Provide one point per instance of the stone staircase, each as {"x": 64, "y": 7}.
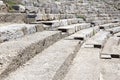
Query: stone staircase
{"x": 63, "y": 40}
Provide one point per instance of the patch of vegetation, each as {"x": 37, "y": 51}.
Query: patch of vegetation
{"x": 94, "y": 32}
{"x": 10, "y": 3}
{"x": 81, "y": 16}
{"x": 80, "y": 1}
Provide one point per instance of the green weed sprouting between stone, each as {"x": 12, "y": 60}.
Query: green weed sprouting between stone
{"x": 94, "y": 32}
{"x": 10, "y": 3}
{"x": 81, "y": 16}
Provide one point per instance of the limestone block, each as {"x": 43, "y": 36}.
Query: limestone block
{"x": 31, "y": 17}
{"x": 117, "y": 34}
{"x": 15, "y": 31}
{"x": 58, "y": 63}
{"x": 69, "y": 21}
{"x": 83, "y": 26}
{"x": 54, "y": 23}
{"x": 21, "y": 8}
{"x": 114, "y": 30}
{"x": 30, "y": 29}
{"x": 74, "y": 21}
{"x": 109, "y": 25}
{"x": 98, "y": 40}
{"x": 63, "y": 22}
{"x": 11, "y": 32}
{"x": 85, "y": 33}
{"x": 62, "y": 16}
{"x": 48, "y": 10}
{"x": 44, "y": 17}
{"x": 13, "y": 17}
{"x": 50, "y": 16}
{"x": 39, "y": 17}
{"x": 3, "y": 7}
{"x": 110, "y": 47}
{"x": 2, "y": 3}
{"x": 15, "y": 53}
{"x": 54, "y": 8}
{"x": 57, "y": 16}
{"x": 70, "y": 29}
{"x": 39, "y": 27}
{"x": 31, "y": 9}
{"x": 80, "y": 20}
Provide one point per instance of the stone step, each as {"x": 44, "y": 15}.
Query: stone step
{"x": 109, "y": 25}
{"x": 100, "y": 22}
{"x": 85, "y": 65}
{"x": 99, "y": 18}
{"x": 103, "y": 15}
{"x": 62, "y": 22}
{"x": 110, "y": 48}
{"x": 51, "y": 64}
{"x": 98, "y": 40}
{"x": 117, "y": 20}
{"x": 117, "y": 34}
{"x": 45, "y": 17}
{"x": 114, "y": 30}
{"x": 110, "y": 69}
{"x": 70, "y": 29}
{"x": 15, "y": 53}
{"x": 85, "y": 33}
{"x": 14, "y": 31}
{"x": 12, "y": 17}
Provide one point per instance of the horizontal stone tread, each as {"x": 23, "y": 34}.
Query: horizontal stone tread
{"x": 16, "y": 52}
{"x": 85, "y": 65}
{"x": 110, "y": 46}
{"x": 98, "y": 38}
{"x": 51, "y": 64}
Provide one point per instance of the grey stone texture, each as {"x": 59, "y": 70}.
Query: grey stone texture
{"x": 12, "y": 17}
{"x": 51, "y": 64}
{"x": 15, "y": 53}
{"x": 31, "y": 49}
{"x": 110, "y": 48}
{"x": 98, "y": 40}
{"x": 85, "y": 33}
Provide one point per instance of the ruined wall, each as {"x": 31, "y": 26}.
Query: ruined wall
{"x": 116, "y": 3}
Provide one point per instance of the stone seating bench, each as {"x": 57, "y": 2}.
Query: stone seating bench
{"x": 109, "y": 25}
{"x": 110, "y": 49}
{"x": 114, "y": 30}
{"x": 62, "y": 22}
{"x": 14, "y": 31}
{"x": 85, "y": 33}
{"x": 15, "y": 53}
{"x": 45, "y": 17}
{"x": 52, "y": 64}
{"x": 70, "y": 29}
{"x": 98, "y": 40}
